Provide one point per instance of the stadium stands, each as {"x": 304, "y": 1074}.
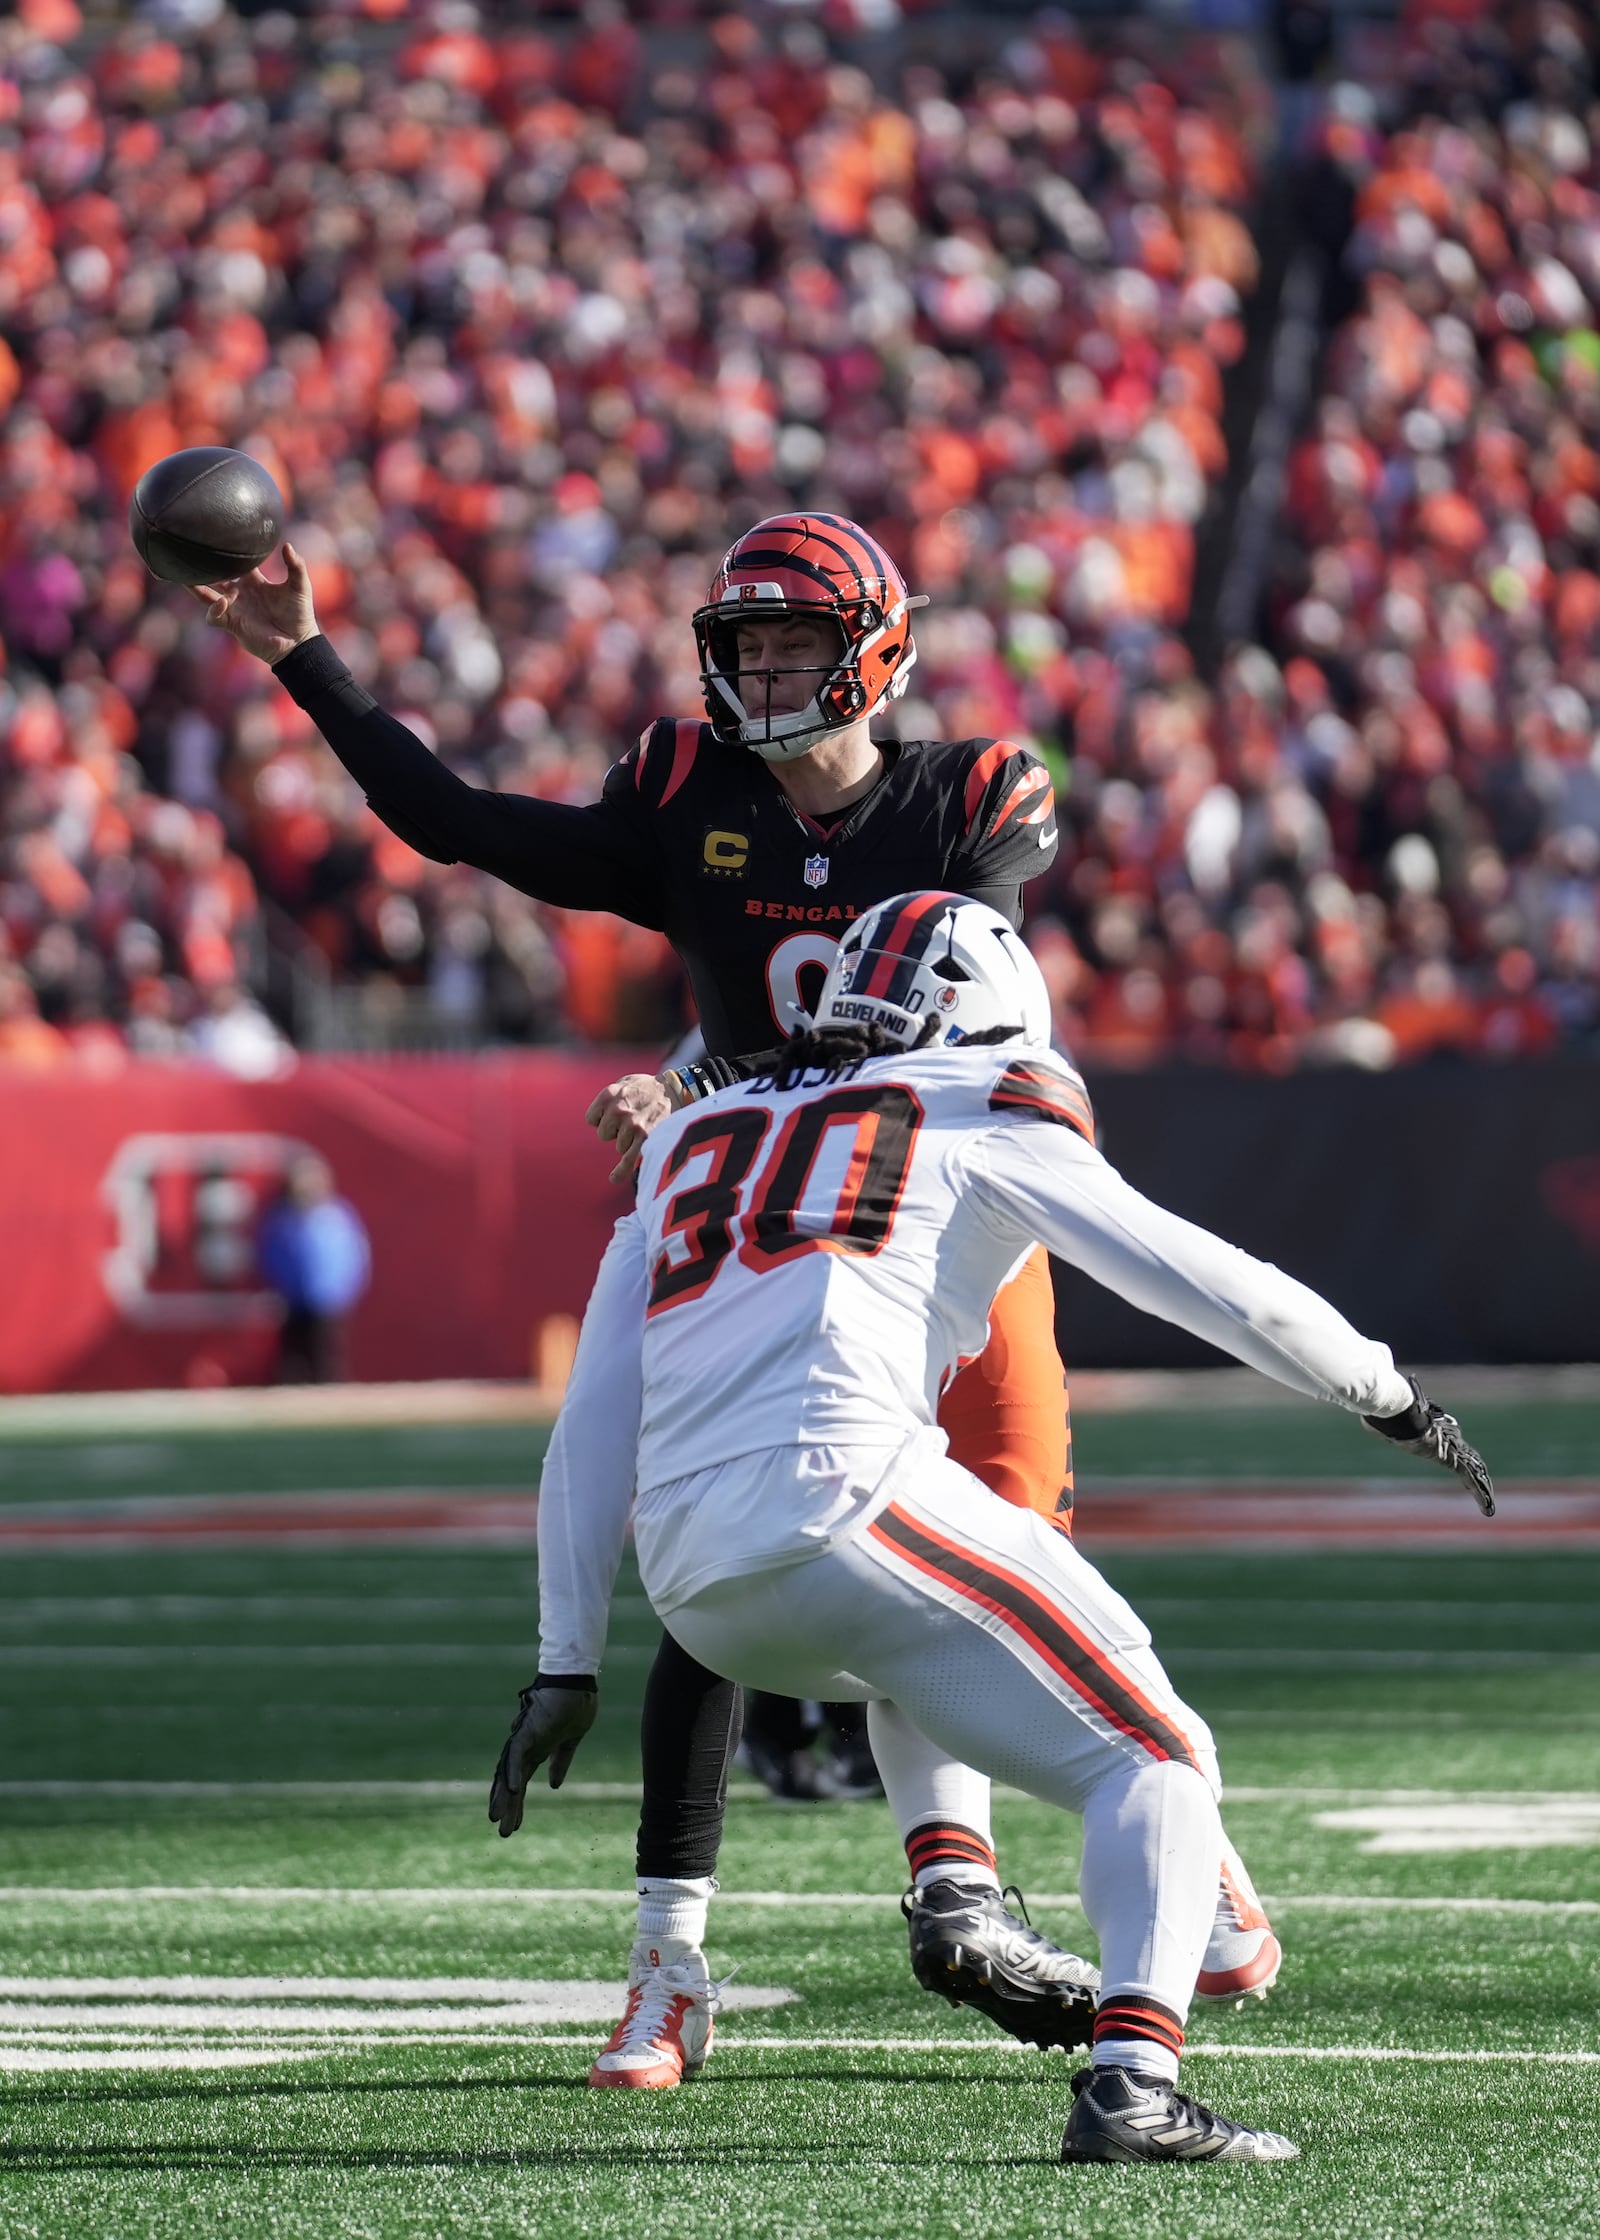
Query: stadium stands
{"x": 529, "y": 325}
{"x": 1441, "y": 617}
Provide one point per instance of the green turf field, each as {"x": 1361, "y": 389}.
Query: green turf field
{"x": 226, "y": 1770}
{"x": 1279, "y": 1439}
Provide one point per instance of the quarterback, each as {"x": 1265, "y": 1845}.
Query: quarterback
{"x": 812, "y": 1254}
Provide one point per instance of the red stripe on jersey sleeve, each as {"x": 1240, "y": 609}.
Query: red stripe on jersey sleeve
{"x": 983, "y": 770}
{"x": 1028, "y": 789}
{"x": 685, "y": 746}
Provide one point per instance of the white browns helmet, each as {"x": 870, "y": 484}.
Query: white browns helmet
{"x": 936, "y": 956}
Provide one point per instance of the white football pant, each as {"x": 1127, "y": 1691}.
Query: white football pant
{"x": 1004, "y": 1645}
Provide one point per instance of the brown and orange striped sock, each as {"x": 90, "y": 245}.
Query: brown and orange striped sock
{"x": 941, "y": 1849}
{"x": 1132, "y": 2031}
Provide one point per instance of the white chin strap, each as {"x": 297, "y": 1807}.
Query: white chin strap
{"x": 785, "y": 738}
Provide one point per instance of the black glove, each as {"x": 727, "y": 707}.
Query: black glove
{"x": 553, "y": 1716}
{"x": 1426, "y": 1430}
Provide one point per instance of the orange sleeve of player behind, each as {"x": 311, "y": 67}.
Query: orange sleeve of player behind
{"x": 1005, "y": 1414}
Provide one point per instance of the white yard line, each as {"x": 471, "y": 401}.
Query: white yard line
{"x": 735, "y": 2042}
{"x": 624, "y": 1792}
{"x": 271, "y": 1654}
{"x": 271, "y": 1894}
{"x": 144, "y": 2056}
{"x": 141, "y": 1609}
{"x": 1246, "y": 1795}
{"x": 22, "y": 2060}
{"x": 399, "y": 1991}
{"x": 597, "y": 2003}
{"x": 1473, "y": 1613}
{"x": 131, "y": 1609}
{"x": 117, "y": 1609}
{"x": 579, "y": 1792}
{"x": 1378, "y": 1660}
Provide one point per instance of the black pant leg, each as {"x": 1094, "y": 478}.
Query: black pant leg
{"x": 688, "y": 1735}
{"x": 310, "y": 1348}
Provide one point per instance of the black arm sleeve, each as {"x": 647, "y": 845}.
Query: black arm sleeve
{"x": 753, "y": 1066}
{"x": 596, "y": 857}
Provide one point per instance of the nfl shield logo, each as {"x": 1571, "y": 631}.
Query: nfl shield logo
{"x": 816, "y": 871}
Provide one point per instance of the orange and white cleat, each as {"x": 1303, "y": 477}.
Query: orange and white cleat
{"x": 1243, "y": 1957}
{"x": 665, "y": 2032}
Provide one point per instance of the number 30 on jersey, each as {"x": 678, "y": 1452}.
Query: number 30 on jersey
{"x": 874, "y": 1129}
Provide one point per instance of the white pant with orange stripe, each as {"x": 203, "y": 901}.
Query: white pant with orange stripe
{"x": 996, "y": 1638}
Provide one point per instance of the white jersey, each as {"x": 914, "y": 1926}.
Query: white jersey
{"x": 812, "y": 1265}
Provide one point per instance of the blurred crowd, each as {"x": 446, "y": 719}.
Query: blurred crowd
{"x": 1437, "y": 612}
{"x": 529, "y": 326}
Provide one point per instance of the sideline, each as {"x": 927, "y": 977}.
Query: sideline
{"x": 58, "y": 1415}
{"x": 25, "y": 2058}
{"x": 1266, "y": 1515}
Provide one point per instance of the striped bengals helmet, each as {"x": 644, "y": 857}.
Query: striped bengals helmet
{"x": 819, "y": 565}
{"x": 937, "y": 956}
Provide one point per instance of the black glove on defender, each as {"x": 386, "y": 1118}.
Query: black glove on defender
{"x": 553, "y": 1716}
{"x": 1426, "y": 1430}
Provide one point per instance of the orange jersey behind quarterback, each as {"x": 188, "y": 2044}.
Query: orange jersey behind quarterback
{"x": 1005, "y": 1414}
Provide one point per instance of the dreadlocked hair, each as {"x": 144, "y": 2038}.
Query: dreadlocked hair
{"x": 831, "y": 1051}
{"x": 828, "y": 1053}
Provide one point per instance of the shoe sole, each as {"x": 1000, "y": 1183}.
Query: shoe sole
{"x": 615, "y": 2080}
{"x": 1049, "y": 2024}
{"x": 1173, "y": 2161}
{"x": 1253, "y": 1981}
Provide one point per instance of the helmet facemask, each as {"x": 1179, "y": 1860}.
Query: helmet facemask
{"x": 739, "y": 698}
{"x": 740, "y": 690}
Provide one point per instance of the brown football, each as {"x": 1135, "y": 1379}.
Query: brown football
{"x": 206, "y": 515}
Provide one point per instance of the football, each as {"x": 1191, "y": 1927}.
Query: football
{"x": 206, "y": 515}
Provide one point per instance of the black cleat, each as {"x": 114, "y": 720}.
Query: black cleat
{"x": 1120, "y": 2116}
{"x": 852, "y": 1771}
{"x": 970, "y": 1949}
{"x": 790, "y": 1776}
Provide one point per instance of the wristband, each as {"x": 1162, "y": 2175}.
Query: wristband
{"x": 1409, "y": 1424}
{"x": 585, "y": 1682}
{"x": 311, "y": 666}
{"x": 695, "y": 1081}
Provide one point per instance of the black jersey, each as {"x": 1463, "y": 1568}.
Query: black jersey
{"x": 696, "y": 838}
